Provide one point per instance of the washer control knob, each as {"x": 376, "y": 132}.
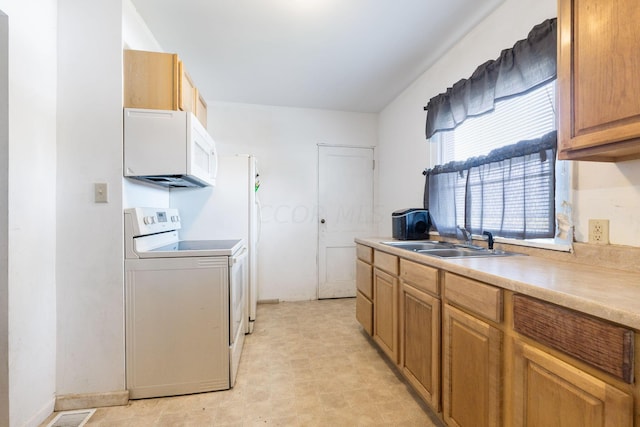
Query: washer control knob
{"x": 149, "y": 220}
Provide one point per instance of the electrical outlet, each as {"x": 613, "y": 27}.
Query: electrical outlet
{"x": 599, "y": 231}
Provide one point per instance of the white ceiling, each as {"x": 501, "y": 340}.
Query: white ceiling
{"x": 350, "y": 55}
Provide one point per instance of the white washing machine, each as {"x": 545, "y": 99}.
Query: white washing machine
{"x": 185, "y": 307}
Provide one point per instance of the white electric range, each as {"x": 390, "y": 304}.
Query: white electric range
{"x": 185, "y": 307}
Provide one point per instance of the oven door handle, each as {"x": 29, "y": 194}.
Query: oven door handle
{"x": 234, "y": 259}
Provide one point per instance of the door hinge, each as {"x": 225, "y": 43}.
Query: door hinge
{"x": 374, "y": 165}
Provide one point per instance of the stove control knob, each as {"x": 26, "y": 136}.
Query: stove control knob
{"x": 149, "y": 220}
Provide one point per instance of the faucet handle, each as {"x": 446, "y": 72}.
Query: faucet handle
{"x": 466, "y": 234}
{"x": 489, "y": 239}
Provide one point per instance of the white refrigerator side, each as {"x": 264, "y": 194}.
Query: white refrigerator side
{"x": 254, "y": 240}
{"x": 227, "y": 211}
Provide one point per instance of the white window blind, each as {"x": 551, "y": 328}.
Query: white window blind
{"x": 520, "y": 118}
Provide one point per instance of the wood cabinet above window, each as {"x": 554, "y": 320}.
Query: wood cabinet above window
{"x": 160, "y": 81}
{"x": 598, "y": 80}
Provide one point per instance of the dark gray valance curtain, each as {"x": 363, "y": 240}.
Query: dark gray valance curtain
{"x": 530, "y": 63}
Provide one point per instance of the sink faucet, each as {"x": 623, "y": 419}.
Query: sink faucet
{"x": 489, "y": 239}
{"x": 466, "y": 234}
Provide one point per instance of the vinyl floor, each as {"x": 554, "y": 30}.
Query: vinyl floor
{"x": 306, "y": 364}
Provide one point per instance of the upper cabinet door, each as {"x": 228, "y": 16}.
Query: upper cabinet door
{"x": 599, "y": 79}
{"x": 160, "y": 81}
{"x": 150, "y": 80}
{"x": 186, "y": 100}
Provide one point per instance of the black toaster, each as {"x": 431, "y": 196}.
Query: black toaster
{"x": 411, "y": 224}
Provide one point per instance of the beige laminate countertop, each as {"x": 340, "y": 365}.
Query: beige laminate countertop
{"x": 602, "y": 292}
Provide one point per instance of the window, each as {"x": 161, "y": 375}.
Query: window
{"x": 510, "y": 195}
{"x": 511, "y": 198}
{"x": 521, "y": 118}
{"x": 496, "y": 146}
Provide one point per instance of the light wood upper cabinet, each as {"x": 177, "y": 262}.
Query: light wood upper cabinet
{"x": 160, "y": 81}
{"x": 598, "y": 79}
{"x": 188, "y": 92}
{"x": 201, "y": 109}
{"x": 547, "y": 390}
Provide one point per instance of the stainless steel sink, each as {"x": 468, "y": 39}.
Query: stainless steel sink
{"x": 466, "y": 253}
{"x": 449, "y": 250}
{"x": 420, "y": 245}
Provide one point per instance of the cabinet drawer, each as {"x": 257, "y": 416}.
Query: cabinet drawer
{"x": 364, "y": 253}
{"x": 364, "y": 312}
{"x": 386, "y": 262}
{"x": 364, "y": 278}
{"x": 420, "y": 276}
{"x": 594, "y": 341}
{"x": 477, "y": 297}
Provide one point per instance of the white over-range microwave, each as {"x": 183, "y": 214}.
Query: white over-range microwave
{"x": 168, "y": 148}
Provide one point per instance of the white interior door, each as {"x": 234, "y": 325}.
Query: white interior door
{"x": 345, "y": 210}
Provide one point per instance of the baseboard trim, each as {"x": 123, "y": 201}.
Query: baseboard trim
{"x": 269, "y": 301}
{"x": 39, "y": 417}
{"x": 69, "y": 402}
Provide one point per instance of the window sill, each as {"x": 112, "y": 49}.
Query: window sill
{"x": 548, "y": 244}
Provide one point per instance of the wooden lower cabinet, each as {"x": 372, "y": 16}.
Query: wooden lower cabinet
{"x": 461, "y": 345}
{"x": 364, "y": 312}
{"x": 420, "y": 342}
{"x": 364, "y": 278}
{"x": 364, "y": 286}
{"x": 385, "y": 312}
{"x": 472, "y": 384}
{"x": 550, "y": 392}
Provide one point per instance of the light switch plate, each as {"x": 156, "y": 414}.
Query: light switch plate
{"x": 101, "y": 192}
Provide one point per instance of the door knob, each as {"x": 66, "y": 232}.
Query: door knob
{"x": 322, "y": 221}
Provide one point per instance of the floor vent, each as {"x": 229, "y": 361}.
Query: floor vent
{"x": 72, "y": 418}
